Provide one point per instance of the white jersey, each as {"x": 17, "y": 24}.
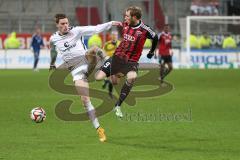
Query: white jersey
{"x": 72, "y": 44}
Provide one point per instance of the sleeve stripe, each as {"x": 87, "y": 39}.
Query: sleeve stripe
{"x": 149, "y": 30}
{"x": 84, "y": 46}
{"x": 159, "y": 35}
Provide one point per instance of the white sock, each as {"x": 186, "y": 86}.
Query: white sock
{"x": 92, "y": 115}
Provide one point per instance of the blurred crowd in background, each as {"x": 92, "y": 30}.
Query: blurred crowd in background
{"x": 205, "y": 7}
{"x": 197, "y": 41}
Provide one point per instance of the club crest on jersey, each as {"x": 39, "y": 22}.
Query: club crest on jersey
{"x": 129, "y": 37}
{"x": 138, "y": 33}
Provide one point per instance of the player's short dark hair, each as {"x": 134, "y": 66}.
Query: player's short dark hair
{"x": 135, "y": 11}
{"x": 59, "y": 16}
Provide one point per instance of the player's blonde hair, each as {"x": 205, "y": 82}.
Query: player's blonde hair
{"x": 135, "y": 11}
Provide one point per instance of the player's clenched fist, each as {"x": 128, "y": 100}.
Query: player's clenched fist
{"x": 116, "y": 23}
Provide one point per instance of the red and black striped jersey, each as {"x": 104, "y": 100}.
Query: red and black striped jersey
{"x": 133, "y": 41}
{"x": 165, "y": 43}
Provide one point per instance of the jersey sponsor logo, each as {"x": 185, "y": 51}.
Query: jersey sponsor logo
{"x": 129, "y": 37}
{"x": 68, "y": 47}
{"x": 167, "y": 41}
{"x": 166, "y": 38}
{"x": 66, "y": 44}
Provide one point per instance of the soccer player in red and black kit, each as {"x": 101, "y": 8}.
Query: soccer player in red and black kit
{"x": 125, "y": 59}
{"x": 165, "y": 52}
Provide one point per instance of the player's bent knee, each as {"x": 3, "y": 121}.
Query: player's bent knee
{"x": 132, "y": 75}
{"x": 100, "y": 75}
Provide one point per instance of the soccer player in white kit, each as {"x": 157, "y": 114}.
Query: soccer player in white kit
{"x": 68, "y": 42}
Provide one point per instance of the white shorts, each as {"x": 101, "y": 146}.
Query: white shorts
{"x": 79, "y": 73}
{"x": 78, "y": 66}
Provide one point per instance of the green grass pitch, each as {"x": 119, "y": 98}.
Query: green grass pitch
{"x": 210, "y": 97}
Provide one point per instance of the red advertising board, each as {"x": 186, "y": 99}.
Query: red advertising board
{"x": 25, "y": 39}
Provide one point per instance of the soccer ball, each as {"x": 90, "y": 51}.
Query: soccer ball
{"x": 38, "y": 114}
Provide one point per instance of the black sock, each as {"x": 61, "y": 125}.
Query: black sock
{"x": 124, "y": 92}
{"x": 106, "y": 81}
{"x": 110, "y": 87}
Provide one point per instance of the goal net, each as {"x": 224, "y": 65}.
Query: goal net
{"x": 210, "y": 41}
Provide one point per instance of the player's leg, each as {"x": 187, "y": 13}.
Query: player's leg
{"x": 109, "y": 84}
{"x": 105, "y": 83}
{"x": 115, "y": 79}
{"x": 92, "y": 59}
{"x": 79, "y": 74}
{"x": 168, "y": 61}
{"x": 161, "y": 67}
{"x": 98, "y": 52}
{"x": 36, "y": 58}
{"x": 170, "y": 67}
{"x": 126, "y": 88}
{"x": 93, "y": 55}
{"x": 82, "y": 87}
{"x": 100, "y": 75}
{"x": 110, "y": 89}
{"x": 105, "y": 70}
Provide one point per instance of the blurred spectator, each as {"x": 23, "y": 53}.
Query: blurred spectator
{"x": 176, "y": 42}
{"x": 36, "y": 44}
{"x": 215, "y": 11}
{"x": 194, "y": 8}
{"x": 109, "y": 48}
{"x": 204, "y": 7}
{"x": 229, "y": 42}
{"x": 148, "y": 43}
{"x": 12, "y": 42}
{"x": 95, "y": 40}
{"x": 205, "y": 41}
{"x": 194, "y": 43}
{"x": 111, "y": 45}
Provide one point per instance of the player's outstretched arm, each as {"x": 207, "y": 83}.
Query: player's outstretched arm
{"x": 117, "y": 23}
{"x": 90, "y": 30}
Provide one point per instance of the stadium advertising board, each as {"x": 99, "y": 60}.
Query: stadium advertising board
{"x": 23, "y": 58}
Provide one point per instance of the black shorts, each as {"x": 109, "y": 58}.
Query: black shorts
{"x": 165, "y": 59}
{"x": 118, "y": 66}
